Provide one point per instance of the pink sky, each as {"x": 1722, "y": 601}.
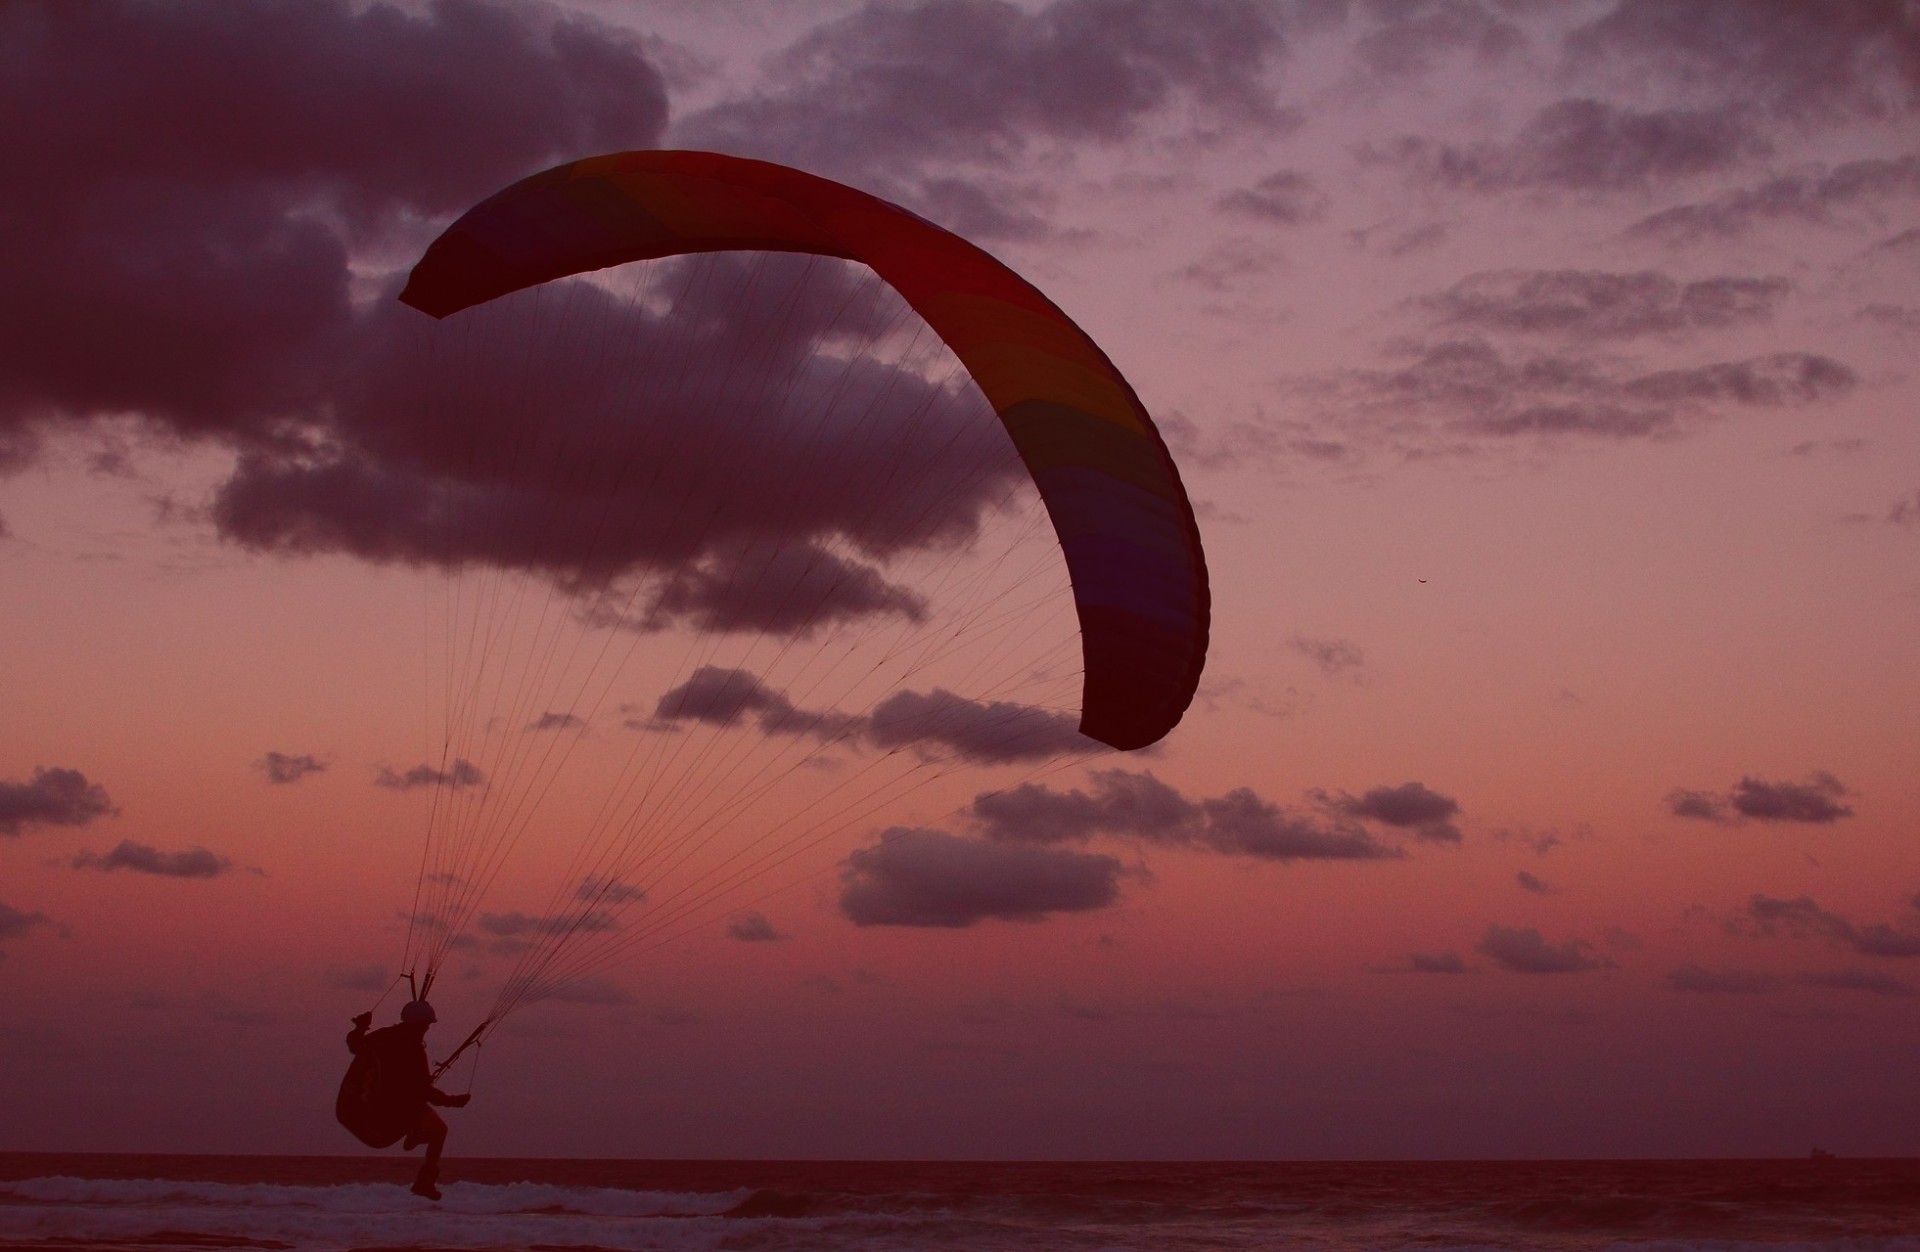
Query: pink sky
{"x": 1541, "y": 375}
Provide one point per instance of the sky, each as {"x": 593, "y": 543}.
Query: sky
{"x": 1541, "y": 376}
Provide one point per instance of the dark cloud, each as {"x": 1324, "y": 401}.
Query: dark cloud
{"x": 753, "y": 928}
{"x": 1285, "y": 197}
{"x": 599, "y": 889}
{"x": 1522, "y": 950}
{"x": 1796, "y": 58}
{"x": 1803, "y": 918}
{"x": 52, "y": 797}
{"x": 1337, "y": 658}
{"x": 1436, "y": 963}
{"x": 1871, "y": 981}
{"x": 141, "y": 859}
{"x": 1699, "y": 805}
{"x": 1123, "y": 803}
{"x": 987, "y": 732}
{"x": 1581, "y": 146}
{"x": 280, "y": 767}
{"x": 916, "y": 877}
{"x": 1694, "y": 978}
{"x": 193, "y": 265}
{"x": 1905, "y": 511}
{"x": 881, "y": 95}
{"x": 1813, "y": 198}
{"x": 1410, "y": 806}
{"x": 15, "y": 923}
{"x": 1814, "y": 802}
{"x": 1127, "y": 805}
{"x": 1475, "y": 389}
{"x": 683, "y": 486}
{"x": 1408, "y": 39}
{"x": 932, "y": 723}
{"x": 196, "y": 270}
{"x": 1241, "y": 823}
{"x": 1533, "y": 883}
{"x": 1596, "y": 304}
{"x": 557, "y": 721}
{"x": 463, "y": 773}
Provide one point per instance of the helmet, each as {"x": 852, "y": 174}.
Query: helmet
{"x": 418, "y": 1013}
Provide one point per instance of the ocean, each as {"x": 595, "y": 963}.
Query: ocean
{"x": 51, "y": 1202}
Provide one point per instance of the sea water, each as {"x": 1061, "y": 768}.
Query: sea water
{"x": 179, "y": 1203}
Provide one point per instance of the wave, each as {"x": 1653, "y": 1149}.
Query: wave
{"x": 157, "y": 1215}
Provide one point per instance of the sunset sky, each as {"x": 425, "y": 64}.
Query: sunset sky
{"x": 1542, "y": 378}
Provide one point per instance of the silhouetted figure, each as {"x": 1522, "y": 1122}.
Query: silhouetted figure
{"x": 389, "y": 1093}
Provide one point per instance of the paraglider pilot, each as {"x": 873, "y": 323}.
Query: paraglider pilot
{"x": 389, "y": 1091}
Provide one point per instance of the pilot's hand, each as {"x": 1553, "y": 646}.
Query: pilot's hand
{"x": 364, "y": 1020}
{"x": 459, "y": 1101}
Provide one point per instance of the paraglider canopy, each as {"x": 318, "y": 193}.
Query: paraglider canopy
{"x": 1125, "y": 526}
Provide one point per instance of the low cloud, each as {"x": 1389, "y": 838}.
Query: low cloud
{"x": 753, "y": 928}
{"x": 1803, "y": 918}
{"x": 1798, "y": 59}
{"x": 1408, "y": 40}
{"x": 557, "y": 721}
{"x": 1581, "y": 145}
{"x": 1873, "y": 982}
{"x": 1814, "y": 802}
{"x": 141, "y": 859}
{"x": 917, "y": 877}
{"x": 1814, "y": 198}
{"x": 1436, "y": 963}
{"x": 1336, "y": 658}
{"x": 1411, "y": 806}
{"x": 1724, "y": 981}
{"x": 462, "y": 774}
{"x": 1529, "y": 882}
{"x": 14, "y": 923}
{"x": 600, "y": 889}
{"x": 1284, "y": 198}
{"x": 1594, "y": 304}
{"x": 933, "y": 723}
{"x": 987, "y": 732}
{"x": 1472, "y": 388}
{"x": 1127, "y": 805}
{"x": 52, "y": 797}
{"x": 981, "y": 83}
{"x": 1522, "y": 950}
{"x": 281, "y": 768}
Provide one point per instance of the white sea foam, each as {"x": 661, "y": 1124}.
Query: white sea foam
{"x": 472, "y": 1215}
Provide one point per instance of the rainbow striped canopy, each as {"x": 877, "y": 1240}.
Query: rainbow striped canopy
{"x": 1104, "y": 474}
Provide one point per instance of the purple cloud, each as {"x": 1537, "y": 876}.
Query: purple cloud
{"x": 1436, "y": 963}
{"x": 52, "y": 797}
{"x": 1522, "y": 950}
{"x": 916, "y": 877}
{"x": 1814, "y": 198}
{"x": 15, "y": 923}
{"x": 753, "y": 928}
{"x": 1582, "y": 145}
{"x": 1127, "y": 805}
{"x": 1597, "y": 304}
{"x": 141, "y": 859}
{"x": 1410, "y": 806}
{"x": 282, "y": 768}
{"x": 463, "y": 773}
